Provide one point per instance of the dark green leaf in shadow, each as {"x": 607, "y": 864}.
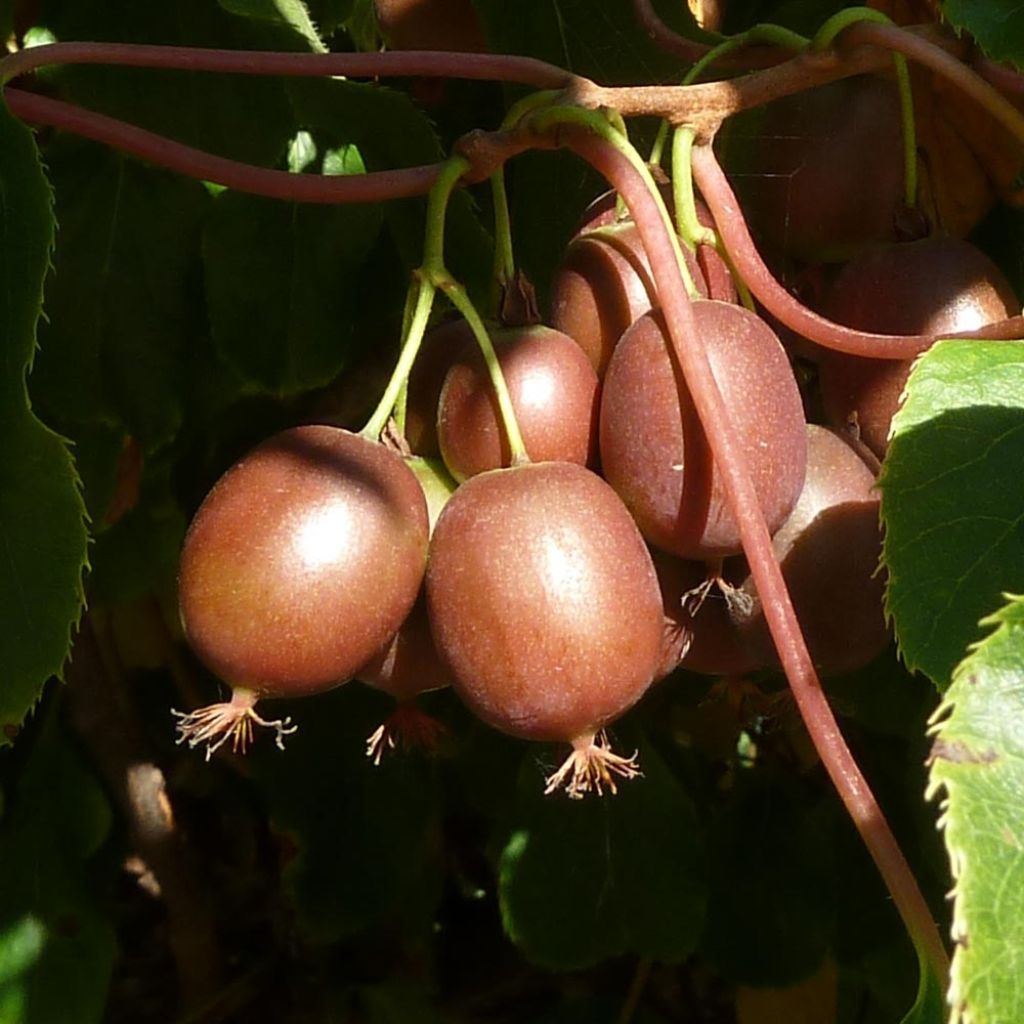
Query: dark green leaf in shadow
{"x": 997, "y": 25}
{"x": 391, "y": 132}
{"x": 123, "y": 298}
{"x": 584, "y": 880}
{"x": 56, "y": 944}
{"x": 42, "y": 516}
{"x": 282, "y": 287}
{"x": 359, "y": 840}
{"x": 244, "y": 117}
{"x": 292, "y": 14}
{"x": 772, "y": 905}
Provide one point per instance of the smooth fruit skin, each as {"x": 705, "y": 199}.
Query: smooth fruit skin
{"x": 603, "y": 284}
{"x": 430, "y": 25}
{"x": 820, "y": 174}
{"x": 554, "y": 392}
{"x": 653, "y": 448}
{"x": 408, "y": 664}
{"x": 829, "y": 550}
{"x": 934, "y": 286}
{"x": 438, "y": 350}
{"x": 543, "y": 601}
{"x": 304, "y": 558}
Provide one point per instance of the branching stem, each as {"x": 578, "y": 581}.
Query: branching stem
{"x": 742, "y": 497}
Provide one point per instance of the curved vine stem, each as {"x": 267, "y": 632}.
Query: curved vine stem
{"x": 718, "y": 194}
{"x": 421, "y": 63}
{"x": 373, "y": 186}
{"x": 594, "y": 122}
{"x": 785, "y": 629}
{"x": 918, "y": 49}
{"x": 688, "y": 226}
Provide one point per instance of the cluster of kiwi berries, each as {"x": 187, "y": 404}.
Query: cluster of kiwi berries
{"x": 551, "y": 594}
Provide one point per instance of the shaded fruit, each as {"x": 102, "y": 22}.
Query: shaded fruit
{"x": 934, "y": 286}
{"x": 800, "y": 167}
{"x": 829, "y": 550}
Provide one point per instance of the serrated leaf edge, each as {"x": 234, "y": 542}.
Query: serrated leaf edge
{"x": 960, "y": 1012}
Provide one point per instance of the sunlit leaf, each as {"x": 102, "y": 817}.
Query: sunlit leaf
{"x": 953, "y": 499}
{"x": 977, "y": 764}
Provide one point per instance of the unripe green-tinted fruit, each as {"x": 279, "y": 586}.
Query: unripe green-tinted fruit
{"x": 934, "y": 286}
{"x": 554, "y": 393}
{"x": 820, "y": 173}
{"x": 653, "y": 448}
{"x": 301, "y": 562}
{"x": 437, "y": 483}
{"x": 545, "y": 604}
{"x": 603, "y": 285}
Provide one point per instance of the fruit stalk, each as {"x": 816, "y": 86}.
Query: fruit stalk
{"x": 817, "y": 715}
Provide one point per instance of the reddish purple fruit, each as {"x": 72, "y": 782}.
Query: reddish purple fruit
{"x": 603, "y": 285}
{"x": 438, "y": 350}
{"x": 700, "y": 634}
{"x": 554, "y": 393}
{"x": 301, "y": 562}
{"x": 935, "y": 286}
{"x": 829, "y": 550}
{"x": 545, "y": 604}
{"x": 409, "y": 664}
{"x": 653, "y": 448}
{"x": 821, "y": 173}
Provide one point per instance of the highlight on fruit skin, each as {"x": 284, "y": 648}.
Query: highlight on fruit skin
{"x": 302, "y": 561}
{"x": 544, "y": 603}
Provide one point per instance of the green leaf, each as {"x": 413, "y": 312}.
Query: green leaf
{"x": 244, "y": 117}
{"x": 282, "y": 286}
{"x": 997, "y": 25}
{"x": 56, "y": 945}
{"x": 584, "y": 880}
{"x": 290, "y": 13}
{"x": 358, "y": 839}
{"x": 978, "y": 761}
{"x": 772, "y": 905}
{"x": 953, "y": 499}
{"x": 391, "y": 132}
{"x": 595, "y": 38}
{"x": 123, "y": 302}
{"x": 42, "y": 516}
